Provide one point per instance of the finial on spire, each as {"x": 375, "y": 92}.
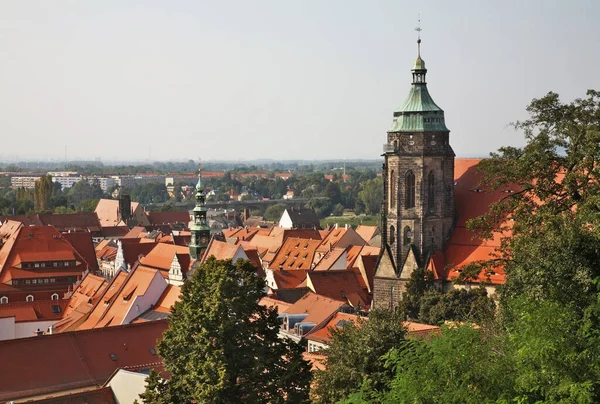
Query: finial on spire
{"x": 419, "y": 29}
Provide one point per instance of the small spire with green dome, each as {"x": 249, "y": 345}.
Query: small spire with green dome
{"x": 200, "y": 230}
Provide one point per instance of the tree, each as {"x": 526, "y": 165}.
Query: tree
{"x": 222, "y": 346}
{"x": 321, "y": 205}
{"x": 371, "y": 195}
{"x": 457, "y": 305}
{"x": 338, "y": 210}
{"x": 274, "y": 212}
{"x": 354, "y": 356}
{"x": 84, "y": 190}
{"x": 42, "y": 193}
{"x": 88, "y": 205}
{"x": 333, "y": 192}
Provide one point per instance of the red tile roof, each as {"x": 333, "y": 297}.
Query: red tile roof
{"x": 340, "y": 285}
{"x": 322, "y": 332}
{"x": 319, "y": 308}
{"x": 161, "y": 256}
{"x": 295, "y": 253}
{"x": 168, "y": 299}
{"x": 102, "y": 395}
{"x": 38, "y": 310}
{"x": 72, "y": 360}
{"x": 82, "y": 242}
{"x": 367, "y": 232}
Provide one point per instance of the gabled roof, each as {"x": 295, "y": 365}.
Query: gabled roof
{"x": 318, "y": 308}
{"x": 82, "y": 242}
{"x": 339, "y": 285}
{"x": 132, "y": 252}
{"x": 39, "y": 310}
{"x": 289, "y": 279}
{"x": 294, "y": 254}
{"x": 331, "y": 257}
{"x": 161, "y": 256}
{"x": 367, "y": 232}
{"x": 357, "y": 251}
{"x": 87, "y": 221}
{"x": 221, "y": 250}
{"x": 73, "y": 360}
{"x": 303, "y": 217}
{"x": 86, "y": 294}
{"x": 270, "y": 302}
{"x": 108, "y": 209}
{"x": 102, "y": 395}
{"x": 115, "y": 231}
{"x": 37, "y": 244}
{"x": 168, "y": 299}
{"x": 322, "y": 332}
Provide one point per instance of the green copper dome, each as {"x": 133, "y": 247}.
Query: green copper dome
{"x": 419, "y": 113}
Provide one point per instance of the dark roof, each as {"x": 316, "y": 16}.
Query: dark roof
{"x": 71, "y": 221}
{"x": 168, "y": 217}
{"x": 115, "y": 231}
{"x": 70, "y": 360}
{"x": 132, "y": 251}
{"x": 82, "y": 242}
{"x": 103, "y": 395}
{"x": 303, "y": 217}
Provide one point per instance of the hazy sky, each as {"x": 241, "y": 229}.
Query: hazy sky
{"x": 311, "y": 79}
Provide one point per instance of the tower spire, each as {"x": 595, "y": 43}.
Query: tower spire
{"x": 419, "y": 29}
{"x": 200, "y": 231}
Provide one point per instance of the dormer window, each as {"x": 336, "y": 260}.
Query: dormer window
{"x": 29, "y": 298}
{"x": 3, "y": 300}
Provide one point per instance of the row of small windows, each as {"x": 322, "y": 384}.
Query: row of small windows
{"x": 432, "y": 120}
{"x": 409, "y": 190}
{"x": 40, "y": 281}
{"x": 29, "y": 298}
{"x": 48, "y": 264}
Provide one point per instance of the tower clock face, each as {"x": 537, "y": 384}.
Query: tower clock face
{"x": 203, "y": 240}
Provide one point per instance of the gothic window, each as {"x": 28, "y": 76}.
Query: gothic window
{"x": 407, "y": 236}
{"x": 392, "y": 235}
{"x": 431, "y": 191}
{"x": 410, "y": 190}
{"x": 393, "y": 190}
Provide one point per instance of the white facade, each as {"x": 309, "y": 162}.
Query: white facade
{"x": 23, "y": 182}
{"x": 286, "y": 220}
{"x": 142, "y": 303}
{"x": 127, "y": 386}
{"x": 11, "y": 329}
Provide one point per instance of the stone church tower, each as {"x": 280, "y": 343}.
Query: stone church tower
{"x": 418, "y": 173}
{"x": 200, "y": 230}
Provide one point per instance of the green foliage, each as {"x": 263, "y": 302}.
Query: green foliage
{"x": 354, "y": 356}
{"x": 83, "y": 191}
{"x": 321, "y": 205}
{"x": 151, "y": 192}
{"x": 371, "y": 195}
{"x": 457, "y": 305}
{"x": 168, "y": 207}
{"x": 88, "y": 205}
{"x": 274, "y": 212}
{"x": 338, "y": 210}
{"x": 42, "y": 193}
{"x": 223, "y": 347}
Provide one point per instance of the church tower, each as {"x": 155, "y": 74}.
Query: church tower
{"x": 418, "y": 173}
{"x": 199, "y": 229}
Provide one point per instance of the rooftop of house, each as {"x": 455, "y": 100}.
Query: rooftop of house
{"x": 303, "y": 217}
{"x": 340, "y": 285}
{"x": 294, "y": 254}
{"x": 221, "y": 250}
{"x": 63, "y": 222}
{"x": 39, "y": 310}
{"x": 41, "y": 245}
{"x": 367, "y": 232}
{"x": 317, "y": 308}
{"x": 162, "y": 254}
{"x": 280, "y": 305}
{"x": 168, "y": 217}
{"x": 329, "y": 258}
{"x": 322, "y": 332}
{"x": 75, "y": 360}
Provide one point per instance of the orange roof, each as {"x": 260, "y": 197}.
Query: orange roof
{"x": 319, "y": 308}
{"x": 82, "y": 242}
{"x": 322, "y": 332}
{"x": 270, "y": 302}
{"x": 76, "y": 360}
{"x": 294, "y": 254}
{"x": 136, "y": 232}
{"x": 103, "y": 303}
{"x": 289, "y": 279}
{"x": 161, "y": 256}
{"x": 367, "y": 232}
{"x": 220, "y": 250}
{"x": 339, "y": 285}
{"x": 87, "y": 294}
{"x": 168, "y": 217}
{"x": 463, "y": 247}
{"x": 356, "y": 251}
{"x": 329, "y": 259}
{"x": 168, "y": 299}
{"x": 39, "y": 310}
{"x": 36, "y": 244}
{"x": 136, "y": 284}
{"x": 107, "y": 211}
{"x": 420, "y": 329}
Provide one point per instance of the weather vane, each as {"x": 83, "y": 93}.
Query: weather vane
{"x": 419, "y": 29}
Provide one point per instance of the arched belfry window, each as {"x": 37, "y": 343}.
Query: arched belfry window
{"x": 409, "y": 190}
{"x": 392, "y": 235}
{"x": 407, "y": 236}
{"x": 431, "y": 190}
{"x": 393, "y": 191}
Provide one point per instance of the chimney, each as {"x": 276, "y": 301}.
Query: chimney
{"x": 38, "y": 333}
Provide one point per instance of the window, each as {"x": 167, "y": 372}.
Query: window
{"x": 46, "y": 280}
{"x": 392, "y": 235}
{"x": 54, "y": 296}
{"x": 393, "y": 189}
{"x": 27, "y": 281}
{"x": 113, "y": 356}
{"x": 407, "y": 235}
{"x": 55, "y": 309}
{"x": 37, "y": 264}
{"x": 431, "y": 191}
{"x": 410, "y": 190}
{"x": 29, "y": 298}
{"x": 3, "y": 300}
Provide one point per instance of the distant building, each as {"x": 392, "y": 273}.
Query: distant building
{"x": 24, "y": 182}
{"x": 299, "y": 218}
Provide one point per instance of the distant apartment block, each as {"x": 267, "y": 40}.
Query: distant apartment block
{"x": 130, "y": 181}
{"x": 24, "y": 182}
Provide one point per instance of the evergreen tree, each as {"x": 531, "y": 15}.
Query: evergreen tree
{"x": 223, "y": 347}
